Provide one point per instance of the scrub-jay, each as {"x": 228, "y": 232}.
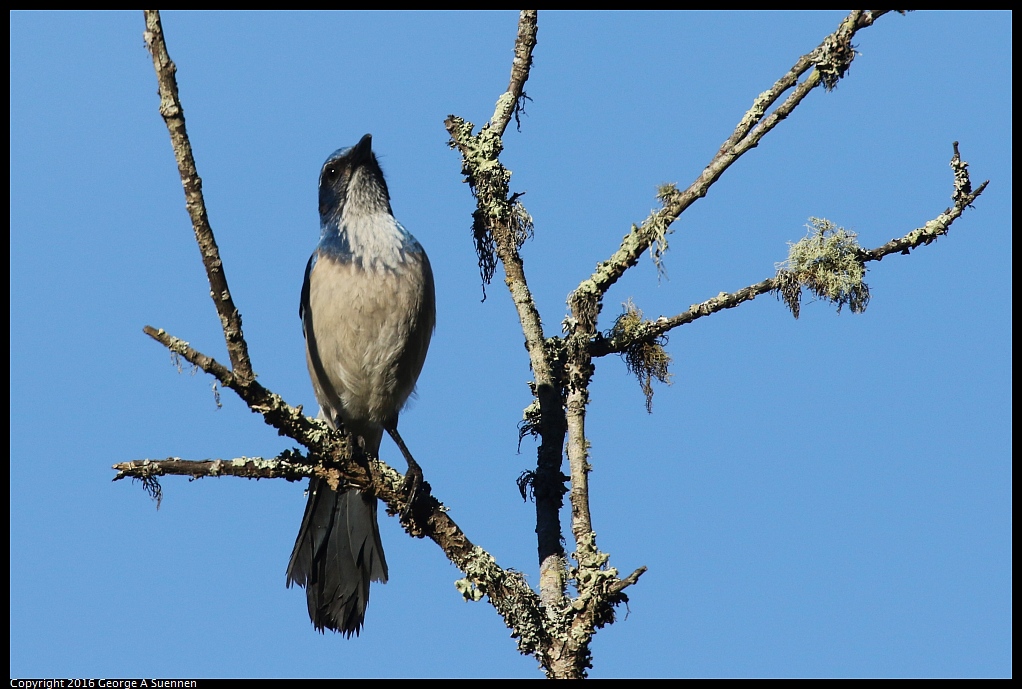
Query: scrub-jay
{"x": 368, "y": 311}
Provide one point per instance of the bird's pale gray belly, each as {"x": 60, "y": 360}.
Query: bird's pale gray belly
{"x": 373, "y": 327}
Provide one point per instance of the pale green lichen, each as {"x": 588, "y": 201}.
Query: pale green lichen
{"x": 963, "y": 185}
{"x": 584, "y": 303}
{"x": 529, "y": 425}
{"x": 645, "y": 357}
{"x": 256, "y": 462}
{"x": 514, "y": 600}
{"x": 521, "y": 223}
{"x": 489, "y": 181}
{"x": 827, "y": 262}
{"x": 755, "y": 113}
{"x": 468, "y": 590}
{"x": 596, "y": 584}
{"x": 505, "y": 102}
{"x": 666, "y": 191}
{"x": 657, "y": 227}
{"x": 833, "y": 58}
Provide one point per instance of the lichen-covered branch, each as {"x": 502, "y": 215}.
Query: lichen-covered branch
{"x": 333, "y": 457}
{"x": 500, "y": 226}
{"x": 511, "y": 102}
{"x": 562, "y": 369}
{"x": 174, "y": 116}
{"x": 506, "y": 589}
{"x": 289, "y": 421}
{"x": 787, "y": 280}
{"x": 290, "y": 464}
{"x": 962, "y": 197}
{"x": 579, "y": 374}
{"x": 831, "y": 60}
{"x": 599, "y": 588}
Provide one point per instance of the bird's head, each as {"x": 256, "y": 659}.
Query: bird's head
{"x": 351, "y": 179}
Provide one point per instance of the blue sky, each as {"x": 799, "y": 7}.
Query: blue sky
{"x": 822, "y": 497}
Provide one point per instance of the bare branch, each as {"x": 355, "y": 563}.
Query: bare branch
{"x": 174, "y": 116}
{"x": 629, "y": 580}
{"x": 288, "y": 420}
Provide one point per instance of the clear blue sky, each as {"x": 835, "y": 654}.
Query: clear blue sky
{"x": 829, "y": 496}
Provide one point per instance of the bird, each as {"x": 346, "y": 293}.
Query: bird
{"x": 368, "y": 310}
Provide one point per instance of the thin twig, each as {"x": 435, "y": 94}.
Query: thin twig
{"x": 629, "y": 580}
{"x": 290, "y": 421}
{"x": 511, "y": 102}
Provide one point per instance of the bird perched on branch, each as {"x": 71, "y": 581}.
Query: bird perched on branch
{"x": 368, "y": 311}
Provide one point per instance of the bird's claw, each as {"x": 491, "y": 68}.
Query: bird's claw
{"x": 411, "y": 486}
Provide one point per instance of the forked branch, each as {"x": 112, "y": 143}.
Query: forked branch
{"x": 962, "y": 197}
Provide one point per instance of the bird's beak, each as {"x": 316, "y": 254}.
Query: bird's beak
{"x": 363, "y": 150}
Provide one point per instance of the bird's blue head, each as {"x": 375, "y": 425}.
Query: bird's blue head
{"x": 351, "y": 179}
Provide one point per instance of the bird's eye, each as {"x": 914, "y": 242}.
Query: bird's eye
{"x": 333, "y": 172}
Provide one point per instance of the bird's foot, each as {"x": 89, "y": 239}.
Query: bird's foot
{"x": 411, "y": 486}
{"x": 413, "y": 478}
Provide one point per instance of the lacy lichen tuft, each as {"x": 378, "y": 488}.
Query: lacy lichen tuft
{"x": 644, "y": 356}
{"x": 658, "y": 227}
{"x": 828, "y": 263}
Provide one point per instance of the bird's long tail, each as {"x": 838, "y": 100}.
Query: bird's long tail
{"x": 337, "y": 553}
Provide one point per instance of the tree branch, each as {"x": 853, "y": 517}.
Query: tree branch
{"x": 333, "y": 457}
{"x": 174, "y": 116}
{"x": 288, "y": 420}
{"x": 283, "y": 466}
{"x": 511, "y": 102}
{"x": 501, "y": 225}
{"x": 962, "y": 197}
{"x": 562, "y": 370}
{"x": 831, "y": 60}
{"x": 290, "y": 464}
